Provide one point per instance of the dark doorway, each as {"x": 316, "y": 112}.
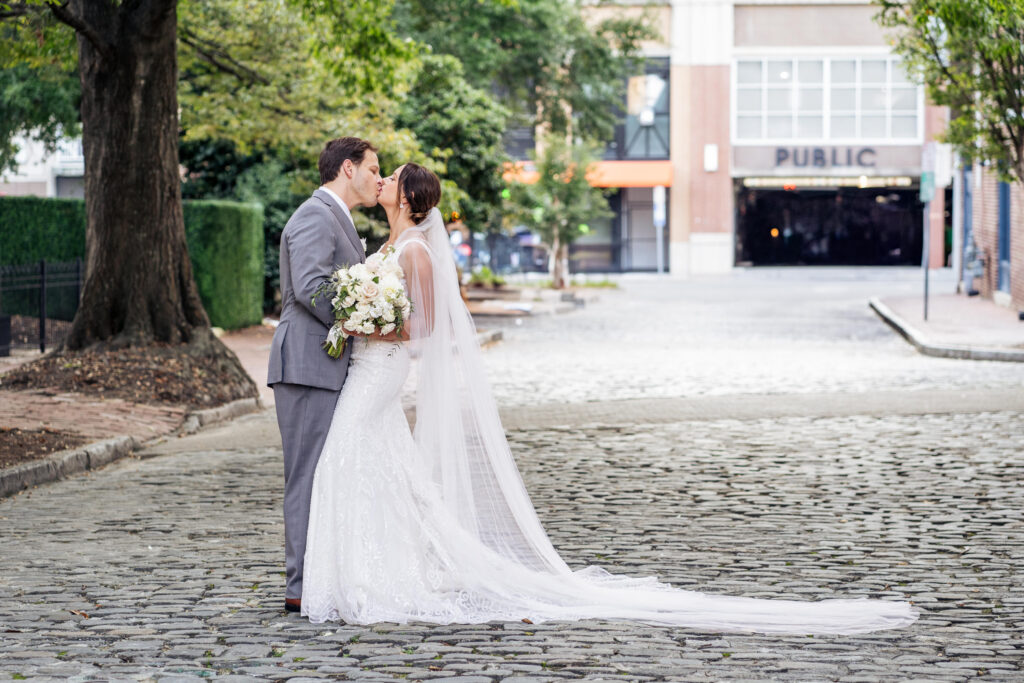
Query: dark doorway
{"x": 845, "y": 226}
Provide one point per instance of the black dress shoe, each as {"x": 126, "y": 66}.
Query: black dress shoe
{"x": 292, "y": 605}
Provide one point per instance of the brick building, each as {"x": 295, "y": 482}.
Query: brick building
{"x": 994, "y": 222}
{"x": 782, "y": 133}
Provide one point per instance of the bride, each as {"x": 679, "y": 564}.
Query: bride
{"x": 435, "y": 525}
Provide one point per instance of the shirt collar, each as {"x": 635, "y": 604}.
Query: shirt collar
{"x": 336, "y": 198}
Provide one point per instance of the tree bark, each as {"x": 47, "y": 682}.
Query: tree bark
{"x": 556, "y": 267}
{"x": 139, "y": 287}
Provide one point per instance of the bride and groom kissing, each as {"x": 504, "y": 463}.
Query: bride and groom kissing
{"x": 385, "y": 523}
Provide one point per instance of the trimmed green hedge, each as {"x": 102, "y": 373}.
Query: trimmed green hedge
{"x": 225, "y": 243}
{"x": 33, "y": 228}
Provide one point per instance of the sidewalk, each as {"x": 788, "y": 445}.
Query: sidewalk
{"x": 118, "y": 427}
{"x": 958, "y": 326}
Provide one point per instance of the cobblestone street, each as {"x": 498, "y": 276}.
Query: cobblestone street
{"x": 761, "y": 435}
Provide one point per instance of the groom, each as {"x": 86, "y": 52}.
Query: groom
{"x": 318, "y": 238}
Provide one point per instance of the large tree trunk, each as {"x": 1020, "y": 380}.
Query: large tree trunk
{"x": 139, "y": 286}
{"x": 139, "y": 290}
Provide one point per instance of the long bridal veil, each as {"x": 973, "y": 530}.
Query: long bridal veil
{"x": 505, "y": 562}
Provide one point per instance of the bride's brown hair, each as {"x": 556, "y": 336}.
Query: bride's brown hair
{"x": 422, "y": 190}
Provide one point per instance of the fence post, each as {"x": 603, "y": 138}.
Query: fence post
{"x": 42, "y": 305}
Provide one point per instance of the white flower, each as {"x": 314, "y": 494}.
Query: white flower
{"x": 406, "y": 310}
{"x": 349, "y": 300}
{"x": 389, "y": 315}
{"x": 391, "y": 285}
{"x": 374, "y": 261}
{"x": 362, "y": 240}
{"x": 387, "y": 328}
{"x": 359, "y": 272}
{"x": 368, "y": 290}
{"x": 392, "y": 267}
{"x": 363, "y": 308}
{"x": 367, "y": 328}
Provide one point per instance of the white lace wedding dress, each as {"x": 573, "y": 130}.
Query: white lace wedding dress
{"x": 436, "y": 526}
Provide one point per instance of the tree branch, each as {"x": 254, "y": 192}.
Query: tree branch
{"x": 220, "y": 59}
{"x": 65, "y": 16}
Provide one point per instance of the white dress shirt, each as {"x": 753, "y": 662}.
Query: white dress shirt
{"x": 340, "y": 203}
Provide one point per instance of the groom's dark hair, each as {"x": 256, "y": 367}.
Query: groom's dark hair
{"x": 337, "y": 151}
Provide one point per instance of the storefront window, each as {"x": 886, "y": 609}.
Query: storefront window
{"x": 643, "y": 130}
{"x": 825, "y": 99}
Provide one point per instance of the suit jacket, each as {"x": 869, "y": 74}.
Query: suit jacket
{"x": 318, "y": 238}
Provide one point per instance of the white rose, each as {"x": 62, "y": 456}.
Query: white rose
{"x": 363, "y": 308}
{"x": 348, "y": 301}
{"x": 387, "y": 328}
{"x": 391, "y": 285}
{"x": 392, "y": 268}
{"x": 368, "y": 290}
{"x": 359, "y": 272}
{"x": 373, "y": 262}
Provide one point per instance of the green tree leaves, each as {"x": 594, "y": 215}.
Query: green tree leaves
{"x": 970, "y": 55}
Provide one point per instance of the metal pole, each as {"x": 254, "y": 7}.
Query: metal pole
{"x": 924, "y": 257}
{"x": 42, "y": 306}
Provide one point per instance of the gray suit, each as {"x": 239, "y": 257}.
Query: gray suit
{"x": 318, "y": 238}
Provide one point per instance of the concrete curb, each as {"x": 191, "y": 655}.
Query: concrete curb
{"x": 198, "y": 419}
{"x": 64, "y": 464}
{"x": 95, "y": 455}
{"x": 919, "y": 342}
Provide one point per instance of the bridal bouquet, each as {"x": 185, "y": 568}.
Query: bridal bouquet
{"x": 366, "y": 298}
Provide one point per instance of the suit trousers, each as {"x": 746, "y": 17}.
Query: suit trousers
{"x": 304, "y": 417}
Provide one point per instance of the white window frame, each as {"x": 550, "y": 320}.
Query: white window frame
{"x": 826, "y": 56}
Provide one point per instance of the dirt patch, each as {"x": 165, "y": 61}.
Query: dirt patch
{"x": 19, "y": 446}
{"x": 158, "y": 374}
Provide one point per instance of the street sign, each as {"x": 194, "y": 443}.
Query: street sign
{"x": 659, "y": 206}
{"x": 658, "y": 196}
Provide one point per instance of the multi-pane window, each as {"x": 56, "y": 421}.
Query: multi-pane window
{"x": 839, "y": 98}
{"x": 643, "y": 128}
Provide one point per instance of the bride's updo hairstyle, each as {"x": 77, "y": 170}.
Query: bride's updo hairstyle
{"x": 421, "y": 188}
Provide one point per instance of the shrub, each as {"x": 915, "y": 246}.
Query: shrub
{"x": 225, "y": 242}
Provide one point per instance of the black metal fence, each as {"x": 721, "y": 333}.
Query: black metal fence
{"x": 40, "y": 301}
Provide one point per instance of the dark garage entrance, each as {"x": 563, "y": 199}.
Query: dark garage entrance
{"x": 828, "y": 226}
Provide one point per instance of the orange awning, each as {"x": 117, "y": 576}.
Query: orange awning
{"x": 631, "y": 174}
{"x": 605, "y": 173}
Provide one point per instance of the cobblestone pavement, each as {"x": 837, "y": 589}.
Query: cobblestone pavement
{"x": 169, "y": 566}
{"x": 762, "y": 331}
